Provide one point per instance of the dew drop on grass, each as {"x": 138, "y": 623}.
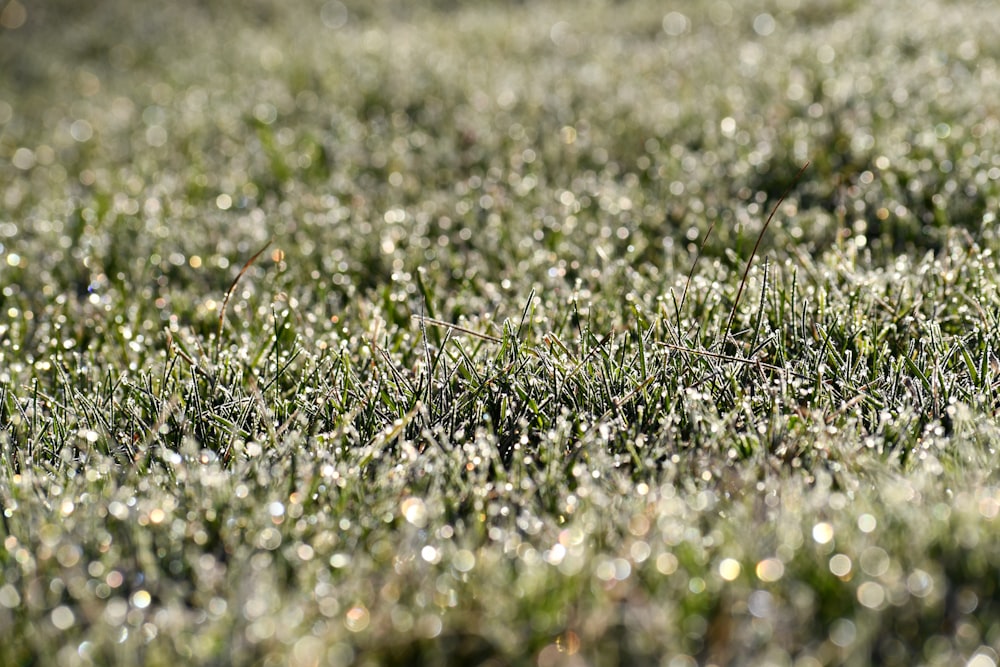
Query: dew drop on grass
{"x": 414, "y": 511}
{"x": 622, "y": 569}
{"x": 640, "y": 551}
{"x": 867, "y": 523}
{"x": 840, "y": 565}
{"x": 729, "y": 569}
{"x": 920, "y": 583}
{"x": 874, "y": 561}
{"x": 115, "y": 611}
{"x": 843, "y": 632}
{"x": 871, "y": 595}
{"x": 555, "y": 555}
{"x": 269, "y": 539}
{"x": 760, "y": 604}
{"x": 675, "y": 24}
{"x": 62, "y": 617}
{"x": 464, "y": 560}
{"x": 429, "y": 626}
{"x": 217, "y": 606}
{"x": 770, "y": 570}
{"x": 822, "y": 532}
{"x": 983, "y": 659}
{"x": 666, "y": 563}
{"x": 85, "y": 649}
{"x": 357, "y": 618}
{"x": 9, "y": 597}
{"x": 114, "y": 579}
{"x": 68, "y": 555}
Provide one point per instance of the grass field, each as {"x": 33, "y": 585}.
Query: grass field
{"x": 540, "y": 333}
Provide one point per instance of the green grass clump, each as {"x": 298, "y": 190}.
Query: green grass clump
{"x": 365, "y": 333}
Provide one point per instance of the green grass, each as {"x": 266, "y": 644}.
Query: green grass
{"x": 510, "y": 380}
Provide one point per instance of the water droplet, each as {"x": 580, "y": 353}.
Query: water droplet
{"x": 357, "y": 618}
{"x": 605, "y": 570}
{"x": 62, "y": 617}
{"x": 429, "y": 626}
{"x": 843, "y": 632}
{"x": 985, "y": 657}
{"x": 269, "y": 538}
{"x": 675, "y": 24}
{"x": 9, "y": 597}
{"x": 770, "y": 570}
{"x": 555, "y": 555}
{"x": 867, "y": 523}
{"x": 464, "y": 560}
{"x": 141, "y": 599}
{"x": 114, "y": 579}
{"x": 764, "y": 24}
{"x": 414, "y": 511}
{"x": 840, "y": 565}
{"x": 871, "y": 595}
{"x": 920, "y": 583}
{"x": 760, "y": 604}
{"x": 729, "y": 569}
{"x": 640, "y": 551}
{"x": 874, "y": 561}
{"x": 666, "y": 563}
{"x": 822, "y": 532}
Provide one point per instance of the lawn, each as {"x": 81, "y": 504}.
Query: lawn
{"x": 539, "y": 333}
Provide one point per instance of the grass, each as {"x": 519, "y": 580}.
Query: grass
{"x": 370, "y": 334}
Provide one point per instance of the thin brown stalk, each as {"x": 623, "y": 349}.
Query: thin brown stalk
{"x": 229, "y": 294}
{"x": 456, "y": 327}
{"x": 756, "y": 246}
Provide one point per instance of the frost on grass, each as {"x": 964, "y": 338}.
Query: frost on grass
{"x": 498, "y": 389}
